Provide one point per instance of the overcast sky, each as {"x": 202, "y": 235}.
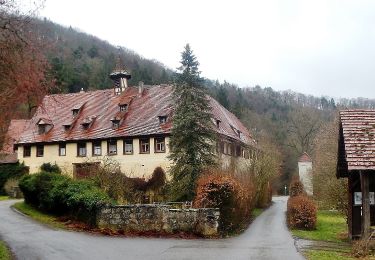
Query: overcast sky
{"x": 314, "y": 47}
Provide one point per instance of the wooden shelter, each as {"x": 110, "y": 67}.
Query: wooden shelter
{"x": 356, "y": 161}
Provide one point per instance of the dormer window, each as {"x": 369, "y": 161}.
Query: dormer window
{"x": 75, "y": 112}
{"x": 115, "y": 124}
{"x": 66, "y": 127}
{"x": 239, "y": 133}
{"x": 85, "y": 125}
{"x": 163, "y": 119}
{"x": 87, "y": 122}
{"x": 123, "y": 107}
{"x": 41, "y": 129}
{"x": 44, "y": 125}
{"x": 76, "y": 109}
{"x": 218, "y": 123}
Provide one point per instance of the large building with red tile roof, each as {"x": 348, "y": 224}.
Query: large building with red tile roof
{"x": 131, "y": 125}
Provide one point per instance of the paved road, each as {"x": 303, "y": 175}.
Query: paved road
{"x": 266, "y": 238}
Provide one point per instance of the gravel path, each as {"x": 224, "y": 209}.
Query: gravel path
{"x": 266, "y": 238}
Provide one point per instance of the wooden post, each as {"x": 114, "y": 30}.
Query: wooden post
{"x": 365, "y": 227}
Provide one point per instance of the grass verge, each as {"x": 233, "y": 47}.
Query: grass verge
{"x": 326, "y": 255}
{"x": 257, "y": 212}
{"x": 4, "y": 252}
{"x": 38, "y": 215}
{"x": 3, "y": 197}
{"x": 331, "y": 226}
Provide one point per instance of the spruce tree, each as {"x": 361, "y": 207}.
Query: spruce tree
{"x": 192, "y": 137}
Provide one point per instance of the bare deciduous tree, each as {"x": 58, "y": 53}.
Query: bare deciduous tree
{"x": 303, "y": 127}
{"x": 328, "y": 190}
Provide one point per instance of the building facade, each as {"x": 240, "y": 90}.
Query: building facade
{"x": 130, "y": 125}
{"x": 305, "y": 173}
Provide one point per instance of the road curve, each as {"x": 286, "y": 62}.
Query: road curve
{"x": 266, "y": 238}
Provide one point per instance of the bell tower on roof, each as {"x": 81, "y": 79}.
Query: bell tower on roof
{"x": 120, "y": 77}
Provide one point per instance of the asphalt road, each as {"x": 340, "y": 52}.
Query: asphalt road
{"x": 266, "y": 238}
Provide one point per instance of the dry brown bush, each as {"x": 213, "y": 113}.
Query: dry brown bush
{"x": 296, "y": 188}
{"x": 301, "y": 213}
{"x": 233, "y": 196}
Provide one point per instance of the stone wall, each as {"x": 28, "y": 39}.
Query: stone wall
{"x": 159, "y": 218}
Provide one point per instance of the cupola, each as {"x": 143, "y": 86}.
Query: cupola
{"x": 120, "y": 77}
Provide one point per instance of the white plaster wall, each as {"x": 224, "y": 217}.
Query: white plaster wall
{"x": 134, "y": 165}
{"x": 305, "y": 175}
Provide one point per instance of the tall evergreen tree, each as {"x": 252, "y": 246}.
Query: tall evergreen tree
{"x": 222, "y": 97}
{"x": 192, "y": 136}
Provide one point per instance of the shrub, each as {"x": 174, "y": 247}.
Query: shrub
{"x": 224, "y": 191}
{"x": 8, "y": 171}
{"x": 48, "y": 167}
{"x": 9, "y": 186}
{"x": 362, "y": 248}
{"x": 61, "y": 195}
{"x": 157, "y": 180}
{"x": 301, "y": 213}
{"x": 296, "y": 188}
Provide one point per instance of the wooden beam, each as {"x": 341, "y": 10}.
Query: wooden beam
{"x": 365, "y": 184}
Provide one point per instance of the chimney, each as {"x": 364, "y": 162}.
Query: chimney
{"x": 140, "y": 88}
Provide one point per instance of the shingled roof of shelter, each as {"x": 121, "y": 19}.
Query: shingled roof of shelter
{"x": 357, "y": 138}
{"x": 140, "y": 119}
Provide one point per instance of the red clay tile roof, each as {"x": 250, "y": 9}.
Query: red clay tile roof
{"x": 305, "y": 158}
{"x": 358, "y": 134}
{"x": 140, "y": 119}
{"x": 15, "y": 129}
{"x": 8, "y": 158}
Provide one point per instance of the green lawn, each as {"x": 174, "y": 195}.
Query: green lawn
{"x": 3, "y": 197}
{"x": 4, "y": 252}
{"x": 256, "y": 212}
{"x": 326, "y": 255}
{"x": 330, "y": 226}
{"x": 38, "y": 215}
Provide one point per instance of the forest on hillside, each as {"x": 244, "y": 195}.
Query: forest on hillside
{"x": 39, "y": 57}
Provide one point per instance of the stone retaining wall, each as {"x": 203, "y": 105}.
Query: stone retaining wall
{"x": 159, "y": 218}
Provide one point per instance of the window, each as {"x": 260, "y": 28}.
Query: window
{"x": 128, "y": 146}
{"x": 75, "y": 111}
{"x": 144, "y": 145}
{"x": 159, "y": 145}
{"x": 112, "y": 147}
{"x": 162, "y": 119}
{"x": 81, "y": 149}
{"x": 97, "y": 148}
{"x": 27, "y": 151}
{"x": 230, "y": 149}
{"x": 218, "y": 123}
{"x": 39, "y": 150}
{"x": 66, "y": 127}
{"x": 115, "y": 124}
{"x": 124, "y": 107}
{"x": 41, "y": 129}
{"x": 85, "y": 126}
{"x": 62, "y": 149}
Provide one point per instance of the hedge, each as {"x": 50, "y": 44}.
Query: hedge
{"x": 10, "y": 171}
{"x": 61, "y": 195}
{"x": 301, "y": 213}
{"x": 233, "y": 197}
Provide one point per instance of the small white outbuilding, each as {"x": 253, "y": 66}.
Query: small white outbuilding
{"x": 305, "y": 173}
